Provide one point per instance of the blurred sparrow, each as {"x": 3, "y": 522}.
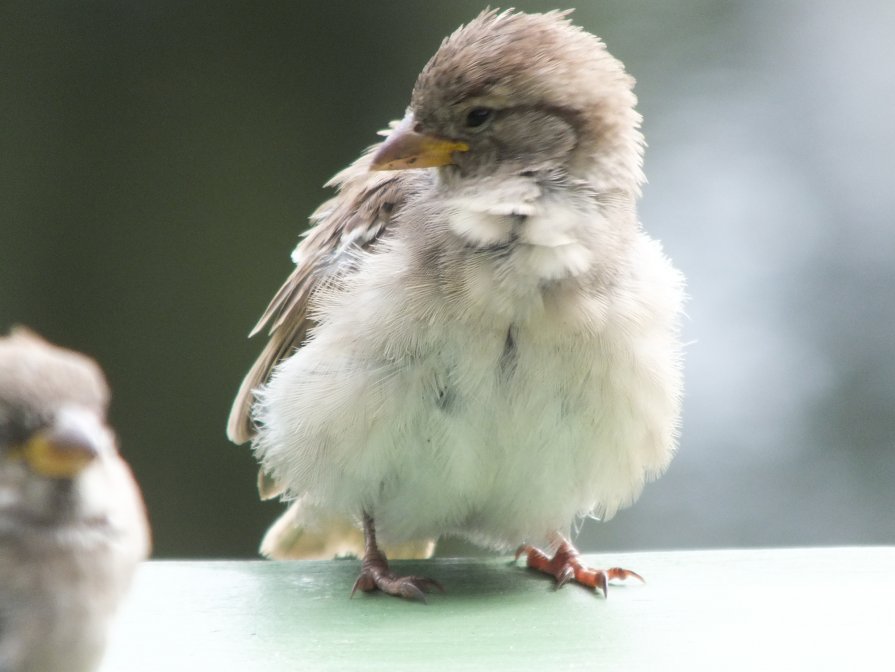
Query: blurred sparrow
{"x": 72, "y": 523}
{"x": 478, "y": 339}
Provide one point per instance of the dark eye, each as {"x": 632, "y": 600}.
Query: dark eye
{"x": 478, "y": 116}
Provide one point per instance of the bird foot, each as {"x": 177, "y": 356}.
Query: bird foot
{"x": 382, "y": 578}
{"x": 376, "y": 575}
{"x": 566, "y": 566}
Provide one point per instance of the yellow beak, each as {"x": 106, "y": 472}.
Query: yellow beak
{"x": 60, "y": 451}
{"x": 406, "y": 148}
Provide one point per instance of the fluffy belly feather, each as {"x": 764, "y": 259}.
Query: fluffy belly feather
{"x": 500, "y": 435}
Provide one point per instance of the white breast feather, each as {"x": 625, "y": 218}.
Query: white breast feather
{"x": 480, "y": 410}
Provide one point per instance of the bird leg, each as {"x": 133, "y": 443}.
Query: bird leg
{"x": 375, "y": 573}
{"x": 566, "y": 566}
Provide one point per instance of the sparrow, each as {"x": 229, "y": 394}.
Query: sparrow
{"x": 72, "y": 521}
{"x": 478, "y": 339}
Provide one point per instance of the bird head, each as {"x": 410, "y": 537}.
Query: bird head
{"x": 513, "y": 93}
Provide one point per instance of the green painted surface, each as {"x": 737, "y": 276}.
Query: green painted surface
{"x": 767, "y": 610}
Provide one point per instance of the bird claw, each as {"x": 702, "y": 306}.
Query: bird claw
{"x": 375, "y": 574}
{"x": 412, "y": 588}
{"x": 566, "y": 566}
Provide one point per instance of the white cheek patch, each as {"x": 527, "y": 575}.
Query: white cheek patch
{"x": 552, "y": 243}
{"x": 556, "y": 263}
{"x": 487, "y": 212}
{"x": 512, "y": 209}
{"x": 479, "y": 229}
{"x": 551, "y": 229}
{"x": 549, "y": 239}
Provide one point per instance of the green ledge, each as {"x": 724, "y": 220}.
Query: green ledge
{"x": 794, "y": 609}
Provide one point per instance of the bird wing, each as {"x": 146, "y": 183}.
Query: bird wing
{"x": 342, "y": 228}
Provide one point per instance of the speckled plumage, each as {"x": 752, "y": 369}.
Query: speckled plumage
{"x": 488, "y": 348}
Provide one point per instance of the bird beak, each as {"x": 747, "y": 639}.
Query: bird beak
{"x": 406, "y": 148}
{"x": 64, "y": 449}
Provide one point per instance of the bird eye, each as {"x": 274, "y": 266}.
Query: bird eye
{"x": 478, "y": 116}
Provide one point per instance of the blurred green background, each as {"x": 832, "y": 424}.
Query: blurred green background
{"x": 158, "y": 160}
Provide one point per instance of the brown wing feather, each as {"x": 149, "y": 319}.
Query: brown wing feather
{"x": 353, "y": 220}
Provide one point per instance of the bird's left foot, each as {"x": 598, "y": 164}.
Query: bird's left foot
{"x": 566, "y": 566}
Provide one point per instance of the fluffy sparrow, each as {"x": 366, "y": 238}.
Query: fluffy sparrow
{"x": 72, "y": 523}
{"x": 478, "y": 339}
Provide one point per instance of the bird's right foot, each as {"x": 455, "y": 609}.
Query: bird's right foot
{"x": 375, "y": 573}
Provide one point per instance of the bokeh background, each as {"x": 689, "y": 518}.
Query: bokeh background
{"x": 158, "y": 160}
